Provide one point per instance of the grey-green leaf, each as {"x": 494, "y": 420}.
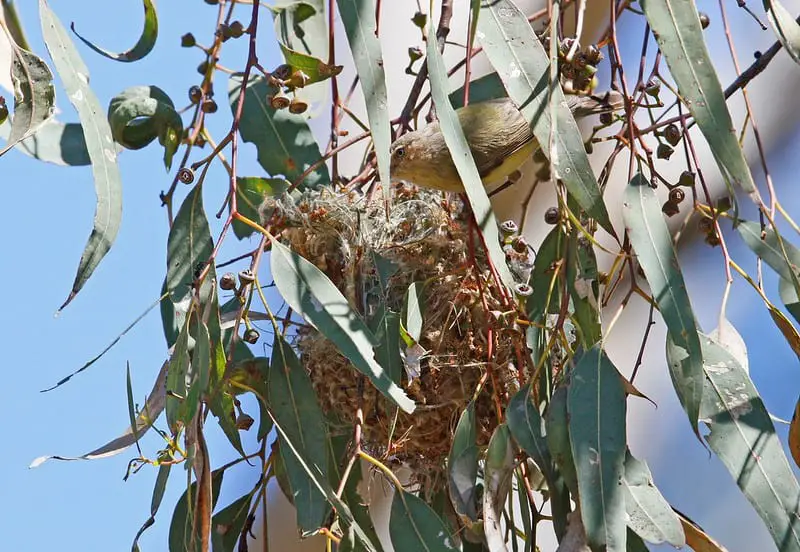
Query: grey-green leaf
{"x": 523, "y": 65}
{"x": 97, "y": 133}
{"x": 464, "y": 162}
{"x": 652, "y": 243}
{"x": 227, "y": 524}
{"x": 744, "y": 438}
{"x": 311, "y": 294}
{"x": 55, "y": 142}
{"x": 499, "y": 471}
{"x": 189, "y": 246}
{"x": 286, "y": 147}
{"x": 359, "y": 19}
{"x": 462, "y": 465}
{"x": 597, "y": 405}
{"x": 176, "y": 379}
{"x": 649, "y": 514}
{"x": 785, "y": 26}
{"x": 143, "y": 46}
{"x": 413, "y": 525}
{"x": 676, "y": 26}
{"x": 295, "y": 407}
{"x": 34, "y": 94}
{"x": 154, "y": 405}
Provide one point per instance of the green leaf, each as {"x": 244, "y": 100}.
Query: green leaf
{"x": 197, "y": 377}
{"x": 558, "y": 440}
{"x": 780, "y": 255}
{"x": 356, "y": 492}
{"x": 385, "y": 324}
{"x": 462, "y": 465}
{"x": 34, "y": 94}
{"x": 359, "y": 19}
{"x": 464, "y": 162}
{"x": 227, "y": 524}
{"x": 487, "y": 87}
{"x": 152, "y": 409}
{"x": 596, "y": 405}
{"x": 527, "y": 429}
{"x": 320, "y": 481}
{"x": 652, "y": 243}
{"x": 142, "y": 47}
{"x": 189, "y": 246}
{"x": 54, "y": 142}
{"x": 582, "y": 280}
{"x": 789, "y": 297}
{"x": 180, "y": 529}
{"x": 302, "y": 33}
{"x": 283, "y": 140}
{"x": 499, "y": 471}
{"x": 140, "y": 114}
{"x": 786, "y": 28}
{"x": 413, "y": 310}
{"x": 131, "y": 405}
{"x": 523, "y": 65}
{"x": 176, "y": 379}
{"x": 649, "y": 514}
{"x": 312, "y": 295}
{"x": 294, "y": 405}
{"x": 108, "y": 184}
{"x": 552, "y": 249}
{"x": 250, "y": 194}
{"x": 676, "y": 27}
{"x": 743, "y": 437}
{"x": 413, "y": 525}
{"x": 155, "y": 502}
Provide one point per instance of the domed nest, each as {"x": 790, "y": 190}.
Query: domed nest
{"x": 427, "y": 239}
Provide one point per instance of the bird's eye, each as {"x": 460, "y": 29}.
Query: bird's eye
{"x": 400, "y": 153}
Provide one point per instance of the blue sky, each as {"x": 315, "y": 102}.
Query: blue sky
{"x": 46, "y": 220}
{"x": 86, "y": 505}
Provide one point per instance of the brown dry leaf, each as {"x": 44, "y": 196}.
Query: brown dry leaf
{"x": 786, "y": 327}
{"x": 696, "y": 538}
{"x": 794, "y": 435}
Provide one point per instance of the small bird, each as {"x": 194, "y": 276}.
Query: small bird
{"x": 499, "y": 136}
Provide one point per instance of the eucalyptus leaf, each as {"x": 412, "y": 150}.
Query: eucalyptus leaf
{"x": 140, "y": 114}
{"x": 180, "y": 529}
{"x": 250, "y": 194}
{"x": 597, "y": 407}
{"x": 189, "y": 246}
{"x": 359, "y": 19}
{"x": 676, "y": 27}
{"x": 146, "y": 40}
{"x": 155, "y": 502}
{"x": 152, "y": 409}
{"x": 649, "y": 514}
{"x": 97, "y": 133}
{"x": 286, "y": 147}
{"x": 312, "y": 295}
{"x": 34, "y": 94}
{"x": 294, "y": 404}
{"x": 652, "y": 243}
{"x": 462, "y": 465}
{"x": 413, "y": 525}
{"x": 516, "y": 53}
{"x": 499, "y": 471}
{"x": 464, "y": 162}
{"x": 785, "y": 26}
{"x": 742, "y": 435}
{"x": 54, "y": 142}
{"x": 227, "y": 524}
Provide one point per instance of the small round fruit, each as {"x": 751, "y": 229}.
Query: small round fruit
{"x": 228, "y": 281}
{"x": 251, "y": 336}
{"x": 551, "y": 216}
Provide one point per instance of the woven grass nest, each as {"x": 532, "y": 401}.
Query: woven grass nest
{"x": 428, "y": 240}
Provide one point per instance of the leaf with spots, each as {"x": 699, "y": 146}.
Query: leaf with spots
{"x": 742, "y": 435}
{"x": 99, "y": 143}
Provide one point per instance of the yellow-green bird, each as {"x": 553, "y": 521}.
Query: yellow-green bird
{"x": 499, "y": 137}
